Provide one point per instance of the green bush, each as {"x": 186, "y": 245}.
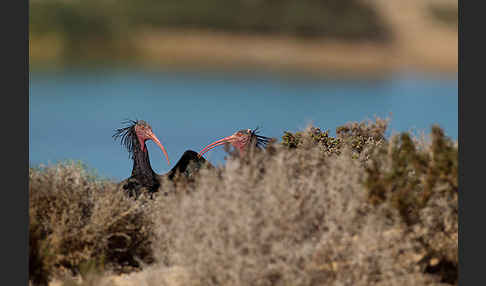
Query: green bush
{"x": 93, "y": 29}
{"x": 353, "y": 135}
{"x": 446, "y": 14}
{"x": 349, "y": 19}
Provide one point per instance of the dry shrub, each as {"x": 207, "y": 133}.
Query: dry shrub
{"x": 249, "y": 228}
{"x": 358, "y": 136}
{"x": 79, "y": 224}
{"x": 306, "y": 215}
{"x": 420, "y": 181}
{"x": 357, "y": 209}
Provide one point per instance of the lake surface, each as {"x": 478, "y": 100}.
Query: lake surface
{"x": 73, "y": 113}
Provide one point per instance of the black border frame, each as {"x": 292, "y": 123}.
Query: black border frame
{"x": 15, "y": 89}
{"x": 470, "y": 201}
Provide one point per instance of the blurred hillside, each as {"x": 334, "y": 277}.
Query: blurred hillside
{"x": 348, "y": 36}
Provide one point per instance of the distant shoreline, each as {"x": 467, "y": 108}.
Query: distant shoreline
{"x": 418, "y": 42}
{"x": 173, "y": 48}
{"x": 208, "y": 50}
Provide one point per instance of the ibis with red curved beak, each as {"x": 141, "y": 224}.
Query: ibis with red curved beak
{"x": 241, "y": 140}
{"x": 134, "y": 137}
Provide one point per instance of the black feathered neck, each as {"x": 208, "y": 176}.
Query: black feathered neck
{"x": 142, "y": 170}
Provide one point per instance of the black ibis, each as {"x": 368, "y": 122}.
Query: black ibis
{"x": 241, "y": 140}
{"x": 133, "y": 138}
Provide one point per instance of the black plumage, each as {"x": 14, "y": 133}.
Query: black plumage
{"x": 259, "y": 141}
{"x": 143, "y": 176}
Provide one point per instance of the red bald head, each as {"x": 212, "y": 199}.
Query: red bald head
{"x": 144, "y": 132}
{"x": 240, "y": 140}
{"x": 134, "y": 136}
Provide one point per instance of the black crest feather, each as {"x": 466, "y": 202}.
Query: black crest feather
{"x": 127, "y": 136}
{"x": 261, "y": 141}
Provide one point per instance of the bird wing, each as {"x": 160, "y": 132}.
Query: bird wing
{"x": 189, "y": 164}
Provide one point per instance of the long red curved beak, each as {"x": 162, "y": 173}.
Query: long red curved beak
{"x": 223, "y": 141}
{"x": 156, "y": 140}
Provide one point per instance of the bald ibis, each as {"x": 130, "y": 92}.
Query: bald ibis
{"x": 241, "y": 140}
{"x": 133, "y": 137}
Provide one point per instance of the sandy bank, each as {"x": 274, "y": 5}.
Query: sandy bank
{"x": 420, "y": 42}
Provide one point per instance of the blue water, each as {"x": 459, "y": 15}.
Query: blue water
{"x": 73, "y": 113}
